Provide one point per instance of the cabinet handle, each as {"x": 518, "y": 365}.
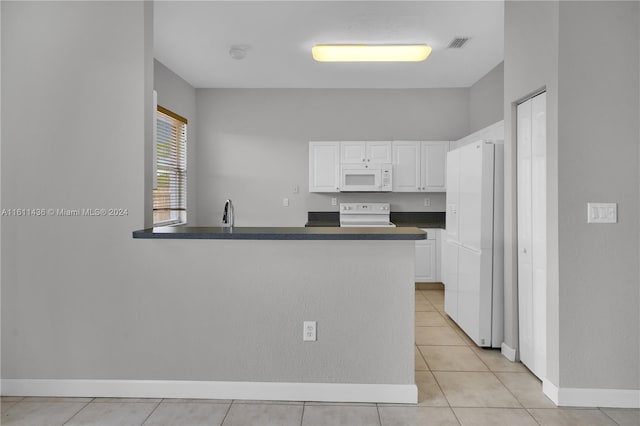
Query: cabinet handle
{"x": 363, "y": 160}
{"x": 368, "y": 159}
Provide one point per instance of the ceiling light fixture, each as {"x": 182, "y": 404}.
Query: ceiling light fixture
{"x": 370, "y": 52}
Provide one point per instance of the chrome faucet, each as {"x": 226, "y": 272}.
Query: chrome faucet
{"x": 227, "y": 216}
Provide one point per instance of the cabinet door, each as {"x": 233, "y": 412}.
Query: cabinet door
{"x": 434, "y": 166}
{"x": 353, "y": 152}
{"x": 324, "y": 167}
{"x": 406, "y": 166}
{"x": 378, "y": 152}
{"x": 426, "y": 260}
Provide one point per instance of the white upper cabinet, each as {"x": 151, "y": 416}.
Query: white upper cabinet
{"x": 419, "y": 166}
{"x": 358, "y": 152}
{"x": 352, "y": 152}
{"x": 434, "y": 161}
{"x": 406, "y": 166}
{"x": 378, "y": 152}
{"x": 324, "y": 166}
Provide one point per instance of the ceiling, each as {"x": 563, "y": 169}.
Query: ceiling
{"x": 193, "y": 39}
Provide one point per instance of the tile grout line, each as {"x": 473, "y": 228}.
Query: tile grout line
{"x": 441, "y": 391}
{"x": 605, "y": 413}
{"x": 528, "y": 410}
{"x": 227, "y": 413}
{"x": 423, "y": 358}
{"x": 76, "y": 413}
{"x": 454, "y": 414}
{"x": 379, "y": 417}
{"x": 512, "y": 394}
{"x": 152, "y": 411}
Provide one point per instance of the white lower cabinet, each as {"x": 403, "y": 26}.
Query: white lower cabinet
{"x": 428, "y": 257}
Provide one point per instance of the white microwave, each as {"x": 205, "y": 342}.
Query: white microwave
{"x": 365, "y": 177}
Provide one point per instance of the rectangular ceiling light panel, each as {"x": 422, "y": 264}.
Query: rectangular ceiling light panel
{"x": 370, "y": 53}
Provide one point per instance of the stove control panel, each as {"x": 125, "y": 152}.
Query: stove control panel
{"x": 365, "y": 208}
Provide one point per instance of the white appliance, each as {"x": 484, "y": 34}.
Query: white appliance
{"x": 366, "y": 177}
{"x": 473, "y": 241}
{"x": 373, "y": 215}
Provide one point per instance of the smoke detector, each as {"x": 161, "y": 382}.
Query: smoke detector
{"x": 238, "y": 52}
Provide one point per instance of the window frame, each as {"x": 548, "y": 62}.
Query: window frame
{"x": 181, "y": 125}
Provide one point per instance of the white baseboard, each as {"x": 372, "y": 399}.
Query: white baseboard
{"x": 550, "y": 390}
{"x": 508, "y": 352}
{"x": 330, "y": 392}
{"x": 579, "y": 397}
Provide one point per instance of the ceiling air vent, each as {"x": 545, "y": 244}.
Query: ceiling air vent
{"x": 458, "y": 42}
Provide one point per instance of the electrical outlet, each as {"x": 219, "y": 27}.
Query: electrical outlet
{"x": 334, "y": 201}
{"x": 427, "y": 202}
{"x": 285, "y": 202}
{"x": 309, "y": 331}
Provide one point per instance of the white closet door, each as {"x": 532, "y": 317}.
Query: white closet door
{"x": 531, "y": 176}
{"x": 539, "y": 229}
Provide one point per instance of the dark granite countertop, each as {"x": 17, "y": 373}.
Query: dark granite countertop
{"x": 279, "y": 233}
{"x": 425, "y": 225}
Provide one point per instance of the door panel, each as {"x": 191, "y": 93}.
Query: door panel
{"x": 434, "y": 162}
{"x": 470, "y": 190}
{"x": 525, "y": 289}
{"x": 378, "y": 152}
{"x": 539, "y": 229}
{"x": 425, "y": 261}
{"x": 469, "y": 270}
{"x": 450, "y": 278}
{"x": 453, "y": 194}
{"x": 406, "y": 166}
{"x": 324, "y": 167}
{"x": 531, "y": 184}
{"x": 352, "y": 152}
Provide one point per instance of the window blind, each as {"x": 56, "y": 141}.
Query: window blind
{"x": 170, "y": 195}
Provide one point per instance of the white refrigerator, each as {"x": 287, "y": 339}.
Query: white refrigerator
{"x": 473, "y": 243}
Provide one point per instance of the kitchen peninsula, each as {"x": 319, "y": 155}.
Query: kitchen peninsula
{"x": 249, "y": 290}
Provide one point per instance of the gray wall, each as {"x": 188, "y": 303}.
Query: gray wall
{"x": 180, "y": 97}
{"x": 598, "y": 145}
{"x": 486, "y": 99}
{"x": 68, "y": 279}
{"x": 81, "y": 299}
{"x": 592, "y": 155}
{"x": 253, "y": 144}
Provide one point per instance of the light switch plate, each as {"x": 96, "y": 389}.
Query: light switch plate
{"x": 334, "y": 201}
{"x": 285, "y": 202}
{"x": 602, "y": 213}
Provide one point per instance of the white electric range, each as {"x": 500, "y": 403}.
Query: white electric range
{"x": 375, "y": 215}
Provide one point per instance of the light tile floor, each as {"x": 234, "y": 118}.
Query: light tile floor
{"x": 458, "y": 384}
